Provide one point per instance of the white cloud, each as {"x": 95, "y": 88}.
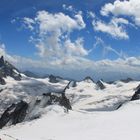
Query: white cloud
{"x": 52, "y": 33}
{"x": 28, "y": 23}
{"x": 127, "y": 8}
{"x": 75, "y": 48}
{"x": 69, "y": 8}
{"x": 114, "y": 28}
{"x": 78, "y": 67}
{"x": 58, "y": 22}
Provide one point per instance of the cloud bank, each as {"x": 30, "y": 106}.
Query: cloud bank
{"x": 78, "y": 67}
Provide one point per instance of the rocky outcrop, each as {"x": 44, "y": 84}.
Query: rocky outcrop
{"x": 1, "y": 61}
{"x": 54, "y": 79}
{"x": 136, "y": 96}
{"x": 17, "y": 113}
{"x": 88, "y": 79}
{"x": 14, "y": 114}
{"x": 61, "y": 99}
{"x": 73, "y": 84}
{"x": 2, "y": 81}
{"x": 31, "y": 74}
{"x": 138, "y": 87}
{"x": 100, "y": 85}
{"x": 7, "y": 69}
{"x": 127, "y": 80}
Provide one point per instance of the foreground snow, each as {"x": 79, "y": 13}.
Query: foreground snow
{"x": 122, "y": 124}
{"x": 94, "y": 114}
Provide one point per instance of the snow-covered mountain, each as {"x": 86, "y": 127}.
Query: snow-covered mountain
{"x": 7, "y": 69}
{"x": 56, "y": 109}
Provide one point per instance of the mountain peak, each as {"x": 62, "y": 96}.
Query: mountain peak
{"x": 7, "y": 69}
{"x": 100, "y": 84}
{"x": 1, "y": 61}
{"x": 88, "y": 79}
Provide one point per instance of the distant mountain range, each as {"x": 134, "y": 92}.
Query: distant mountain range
{"x": 26, "y": 96}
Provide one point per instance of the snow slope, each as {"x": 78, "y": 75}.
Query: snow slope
{"x": 26, "y": 89}
{"x": 122, "y": 124}
{"x": 87, "y": 97}
{"x": 94, "y": 115}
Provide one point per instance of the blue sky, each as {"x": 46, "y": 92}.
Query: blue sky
{"x": 72, "y": 35}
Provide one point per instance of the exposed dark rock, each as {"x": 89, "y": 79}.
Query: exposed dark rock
{"x": 1, "y": 90}
{"x": 110, "y": 82}
{"x": 100, "y": 85}
{"x": 53, "y": 79}
{"x": 14, "y": 114}
{"x": 126, "y": 80}
{"x": 7, "y": 69}
{"x": 136, "y": 96}
{"x": 138, "y": 87}
{"x": 60, "y": 99}
{"x": 31, "y": 74}
{"x": 64, "y": 101}
{"x": 119, "y": 106}
{"x": 1, "y": 61}
{"x": 72, "y": 84}
{"x": 88, "y": 79}
{"x": 2, "y": 81}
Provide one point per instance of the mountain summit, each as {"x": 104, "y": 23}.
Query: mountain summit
{"x": 7, "y": 69}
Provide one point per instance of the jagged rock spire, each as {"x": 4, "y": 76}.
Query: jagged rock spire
{"x": 1, "y": 61}
{"x": 88, "y": 79}
{"x": 100, "y": 84}
{"x": 136, "y": 96}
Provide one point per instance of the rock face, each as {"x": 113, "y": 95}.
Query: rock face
{"x": 7, "y": 69}
{"x": 138, "y": 87}
{"x": 61, "y": 99}
{"x": 31, "y": 74}
{"x": 100, "y": 85}
{"x": 72, "y": 84}
{"x": 14, "y": 114}
{"x": 1, "y": 61}
{"x": 17, "y": 113}
{"x": 88, "y": 79}
{"x": 127, "y": 80}
{"x": 136, "y": 96}
{"x": 2, "y": 81}
{"x": 53, "y": 79}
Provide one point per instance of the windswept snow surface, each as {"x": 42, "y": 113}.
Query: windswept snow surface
{"x": 26, "y": 89}
{"x": 123, "y": 124}
{"x": 94, "y": 115}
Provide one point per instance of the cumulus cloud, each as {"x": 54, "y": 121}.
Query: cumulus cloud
{"x": 126, "y": 8}
{"x": 114, "y": 28}
{"x": 75, "y": 48}
{"x": 28, "y": 23}
{"x": 58, "y": 22}
{"x": 53, "y": 34}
